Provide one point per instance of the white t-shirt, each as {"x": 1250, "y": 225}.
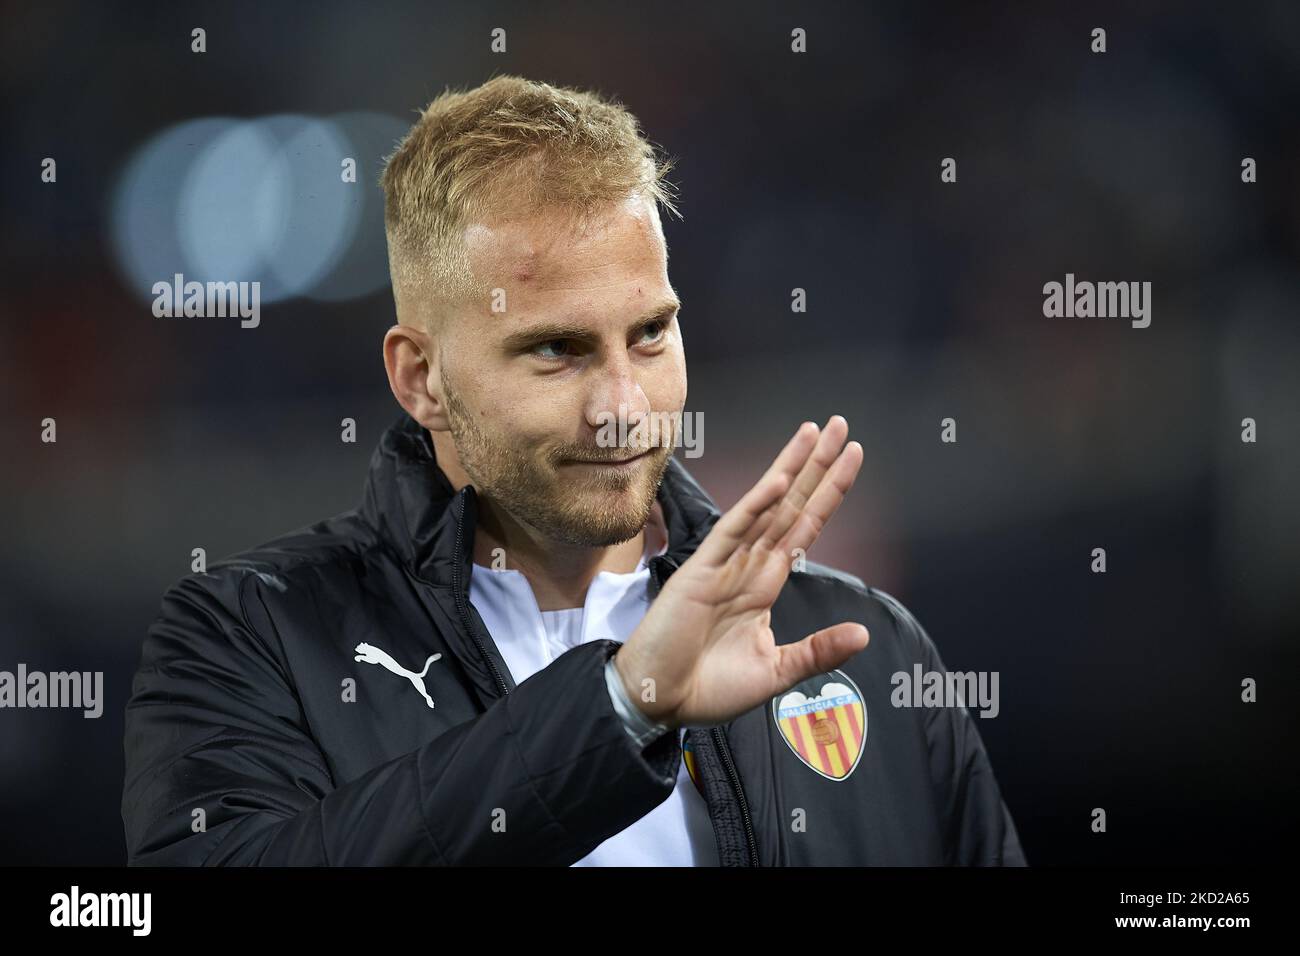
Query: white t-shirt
{"x": 678, "y": 831}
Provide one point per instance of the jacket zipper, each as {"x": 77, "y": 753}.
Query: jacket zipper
{"x": 721, "y": 741}
{"x": 725, "y": 752}
{"x": 462, "y": 606}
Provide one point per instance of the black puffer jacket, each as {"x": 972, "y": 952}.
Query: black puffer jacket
{"x": 255, "y": 736}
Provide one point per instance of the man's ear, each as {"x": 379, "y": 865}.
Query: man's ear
{"x": 411, "y": 360}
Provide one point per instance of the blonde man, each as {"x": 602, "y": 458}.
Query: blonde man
{"x": 613, "y": 672}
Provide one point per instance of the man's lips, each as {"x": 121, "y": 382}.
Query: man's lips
{"x": 609, "y": 463}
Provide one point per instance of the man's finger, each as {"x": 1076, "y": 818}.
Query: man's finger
{"x": 825, "y": 500}
{"x": 809, "y": 479}
{"x": 733, "y": 527}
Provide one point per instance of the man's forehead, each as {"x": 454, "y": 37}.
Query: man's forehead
{"x": 550, "y": 250}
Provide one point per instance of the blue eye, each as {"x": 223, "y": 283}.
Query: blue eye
{"x": 658, "y": 328}
{"x": 543, "y": 345}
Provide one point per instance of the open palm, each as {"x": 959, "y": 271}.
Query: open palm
{"x": 706, "y": 641}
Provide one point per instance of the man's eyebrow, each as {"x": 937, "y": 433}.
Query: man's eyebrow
{"x": 549, "y": 331}
{"x": 660, "y": 311}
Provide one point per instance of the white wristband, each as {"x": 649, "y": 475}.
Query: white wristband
{"x": 639, "y": 727}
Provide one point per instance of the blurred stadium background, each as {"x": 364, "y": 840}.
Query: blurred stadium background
{"x": 818, "y": 171}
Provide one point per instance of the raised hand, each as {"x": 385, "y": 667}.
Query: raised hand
{"x": 706, "y": 641}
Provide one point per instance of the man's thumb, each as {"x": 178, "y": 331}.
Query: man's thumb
{"x": 820, "y": 651}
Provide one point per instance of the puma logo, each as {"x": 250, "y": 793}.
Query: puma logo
{"x": 374, "y": 655}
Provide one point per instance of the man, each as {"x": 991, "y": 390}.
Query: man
{"x": 503, "y": 654}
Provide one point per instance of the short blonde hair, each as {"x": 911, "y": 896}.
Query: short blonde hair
{"x": 513, "y": 145}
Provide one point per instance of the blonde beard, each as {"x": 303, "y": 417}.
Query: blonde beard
{"x": 563, "y": 510}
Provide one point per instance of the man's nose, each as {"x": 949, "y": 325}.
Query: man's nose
{"x": 616, "y": 393}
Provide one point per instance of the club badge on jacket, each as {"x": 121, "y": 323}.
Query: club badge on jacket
{"x": 823, "y": 721}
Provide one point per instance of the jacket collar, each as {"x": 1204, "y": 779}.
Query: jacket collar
{"x": 411, "y": 504}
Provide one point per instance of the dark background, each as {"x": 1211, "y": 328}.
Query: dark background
{"x": 821, "y": 171}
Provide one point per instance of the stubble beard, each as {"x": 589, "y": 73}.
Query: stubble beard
{"x": 593, "y": 508}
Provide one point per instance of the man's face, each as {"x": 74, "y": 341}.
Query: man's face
{"x": 589, "y": 324}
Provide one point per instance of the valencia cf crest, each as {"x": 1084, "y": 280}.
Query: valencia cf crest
{"x": 824, "y": 721}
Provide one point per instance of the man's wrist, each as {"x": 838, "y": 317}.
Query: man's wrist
{"x": 639, "y": 727}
